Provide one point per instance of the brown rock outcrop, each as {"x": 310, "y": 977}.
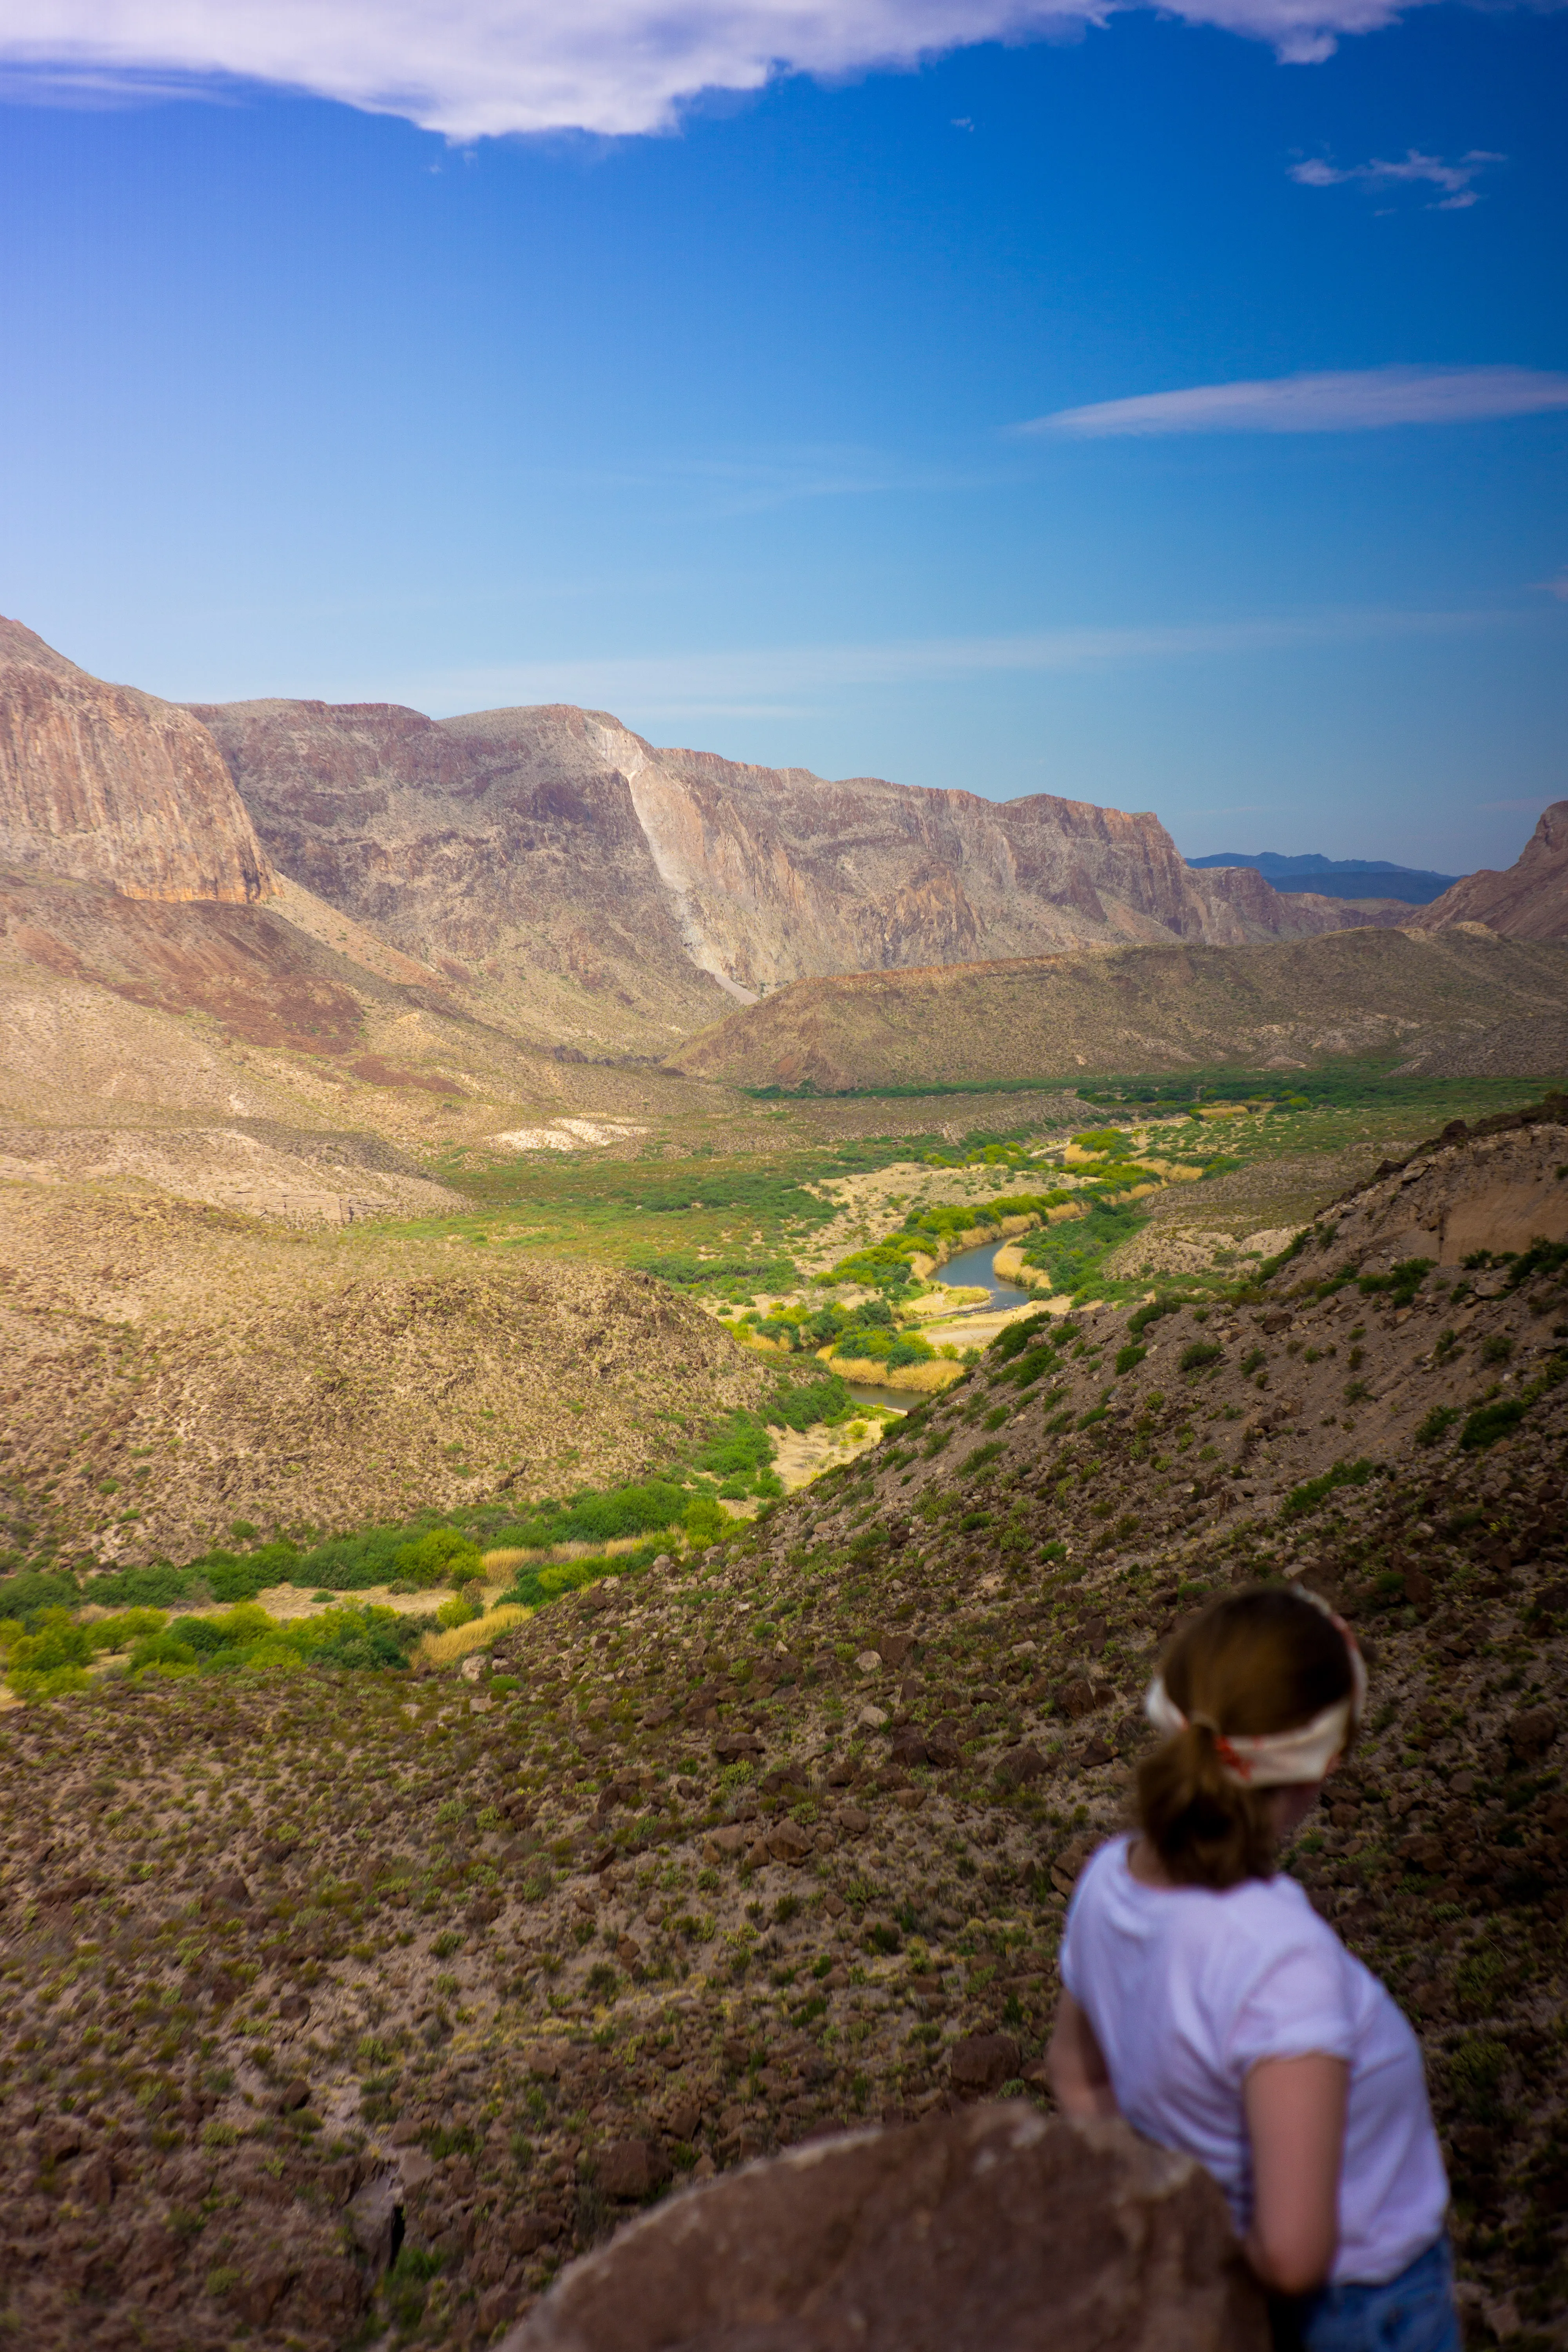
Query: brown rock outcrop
{"x": 1528, "y": 901}
{"x": 1493, "y": 1191}
{"x": 103, "y": 783}
{"x": 994, "y": 2228}
{"x": 509, "y": 858}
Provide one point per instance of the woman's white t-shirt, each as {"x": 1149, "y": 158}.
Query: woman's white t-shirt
{"x": 1187, "y": 1989}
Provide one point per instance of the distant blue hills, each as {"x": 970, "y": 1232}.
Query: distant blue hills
{"x": 1339, "y": 878}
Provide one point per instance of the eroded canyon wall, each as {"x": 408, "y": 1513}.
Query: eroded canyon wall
{"x": 104, "y": 784}
{"x": 556, "y": 837}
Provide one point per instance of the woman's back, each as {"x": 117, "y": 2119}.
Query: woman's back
{"x": 1189, "y": 1987}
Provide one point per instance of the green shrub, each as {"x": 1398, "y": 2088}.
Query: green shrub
{"x": 1436, "y": 1424}
{"x": 1197, "y": 1353}
{"x": 25, "y": 1596}
{"x": 52, "y": 1660}
{"x": 458, "y": 1610}
{"x": 1014, "y": 1337}
{"x": 600, "y": 1518}
{"x": 1128, "y": 1357}
{"x": 1540, "y": 1257}
{"x": 1488, "y": 1423}
{"x": 705, "y": 1522}
{"x": 442, "y": 1556}
{"x": 1152, "y": 1313}
{"x": 1401, "y": 1282}
{"x": 1306, "y": 1497}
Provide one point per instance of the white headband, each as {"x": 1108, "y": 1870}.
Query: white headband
{"x": 1274, "y": 1759}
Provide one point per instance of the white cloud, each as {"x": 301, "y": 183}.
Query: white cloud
{"x": 1349, "y": 401}
{"x": 1557, "y": 586}
{"x": 1430, "y": 171}
{"x": 475, "y": 68}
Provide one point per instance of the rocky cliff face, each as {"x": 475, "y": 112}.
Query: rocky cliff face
{"x": 1530, "y": 901}
{"x": 510, "y": 856}
{"x": 103, "y": 783}
{"x": 554, "y": 839}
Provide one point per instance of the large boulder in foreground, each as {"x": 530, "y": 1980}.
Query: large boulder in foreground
{"x": 993, "y": 2230}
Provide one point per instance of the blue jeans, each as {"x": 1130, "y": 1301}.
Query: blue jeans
{"x": 1411, "y": 2312}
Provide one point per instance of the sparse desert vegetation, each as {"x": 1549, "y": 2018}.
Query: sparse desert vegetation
{"x": 693, "y": 1846}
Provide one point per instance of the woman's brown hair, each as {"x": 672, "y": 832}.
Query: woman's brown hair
{"x": 1256, "y": 1662}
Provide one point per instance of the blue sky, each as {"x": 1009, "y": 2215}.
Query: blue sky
{"x": 719, "y": 426}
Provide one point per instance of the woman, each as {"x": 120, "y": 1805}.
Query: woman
{"x": 1205, "y": 2002}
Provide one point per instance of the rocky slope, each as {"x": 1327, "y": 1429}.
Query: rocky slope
{"x": 232, "y": 1054}
{"x": 1459, "y": 994}
{"x": 727, "y": 1857}
{"x": 1530, "y": 901}
{"x": 555, "y": 855}
{"x": 104, "y": 784}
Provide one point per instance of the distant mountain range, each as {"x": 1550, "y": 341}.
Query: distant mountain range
{"x": 1336, "y": 877}
{"x": 303, "y": 917}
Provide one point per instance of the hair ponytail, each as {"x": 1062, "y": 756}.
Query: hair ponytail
{"x": 1254, "y": 1662}
{"x": 1206, "y": 1829}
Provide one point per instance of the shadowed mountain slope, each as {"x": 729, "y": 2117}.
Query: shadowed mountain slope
{"x": 1281, "y": 1006}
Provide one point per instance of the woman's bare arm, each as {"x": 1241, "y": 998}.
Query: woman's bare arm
{"x": 1296, "y": 2121}
{"x": 1076, "y": 2065}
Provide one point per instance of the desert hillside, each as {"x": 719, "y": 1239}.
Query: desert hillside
{"x": 1460, "y": 995}
{"x": 170, "y": 1370}
{"x": 769, "y": 1840}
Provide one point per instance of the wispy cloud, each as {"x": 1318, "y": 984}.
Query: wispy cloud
{"x": 1413, "y": 170}
{"x": 476, "y": 68}
{"x": 1557, "y": 585}
{"x": 776, "y": 680}
{"x": 1348, "y": 401}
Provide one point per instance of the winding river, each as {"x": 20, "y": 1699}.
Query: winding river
{"x": 974, "y": 1269}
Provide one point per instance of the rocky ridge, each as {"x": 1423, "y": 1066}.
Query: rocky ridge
{"x": 104, "y": 784}
{"x": 1527, "y": 901}
{"x": 562, "y": 859}
{"x": 1433, "y": 997}
{"x": 709, "y": 1860}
